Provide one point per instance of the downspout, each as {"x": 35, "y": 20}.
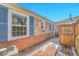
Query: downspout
{"x": 74, "y": 34}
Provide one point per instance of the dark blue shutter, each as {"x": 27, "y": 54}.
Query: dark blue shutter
{"x": 31, "y": 25}
{"x": 3, "y": 23}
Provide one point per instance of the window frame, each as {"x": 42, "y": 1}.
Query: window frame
{"x": 19, "y": 26}
{"x": 42, "y": 24}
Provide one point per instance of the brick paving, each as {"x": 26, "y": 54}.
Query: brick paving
{"x": 28, "y": 51}
{"x": 37, "y": 47}
{"x": 61, "y": 51}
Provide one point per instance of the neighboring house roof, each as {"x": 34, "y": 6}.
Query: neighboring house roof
{"x": 68, "y": 21}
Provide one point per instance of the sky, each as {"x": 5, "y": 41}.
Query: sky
{"x": 53, "y": 11}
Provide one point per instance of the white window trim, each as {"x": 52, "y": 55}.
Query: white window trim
{"x": 10, "y": 38}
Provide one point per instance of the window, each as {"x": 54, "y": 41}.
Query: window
{"x": 18, "y": 20}
{"x": 42, "y": 25}
{"x": 49, "y": 26}
{"x": 18, "y": 25}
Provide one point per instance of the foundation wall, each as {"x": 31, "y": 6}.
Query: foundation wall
{"x": 27, "y": 42}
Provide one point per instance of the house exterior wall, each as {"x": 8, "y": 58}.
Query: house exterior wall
{"x": 38, "y": 26}
{"x": 26, "y": 41}
{"x": 47, "y": 25}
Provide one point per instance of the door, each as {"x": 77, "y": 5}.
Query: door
{"x": 31, "y": 26}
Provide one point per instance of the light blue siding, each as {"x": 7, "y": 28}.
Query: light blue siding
{"x": 3, "y": 24}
